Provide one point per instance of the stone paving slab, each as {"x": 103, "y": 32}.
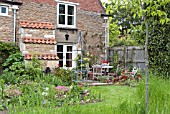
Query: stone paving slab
{"x": 100, "y": 84}
{"x": 93, "y": 83}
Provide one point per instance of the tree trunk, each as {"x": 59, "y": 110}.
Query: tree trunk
{"x": 146, "y": 66}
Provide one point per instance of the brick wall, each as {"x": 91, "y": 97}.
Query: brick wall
{"x": 38, "y": 12}
{"x": 6, "y": 26}
{"x": 39, "y": 48}
{"x": 89, "y": 21}
{"x": 89, "y": 5}
{"x": 37, "y": 33}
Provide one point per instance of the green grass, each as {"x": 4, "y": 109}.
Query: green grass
{"x": 118, "y": 100}
{"x": 112, "y": 96}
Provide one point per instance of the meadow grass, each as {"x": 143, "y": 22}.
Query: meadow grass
{"x": 159, "y": 98}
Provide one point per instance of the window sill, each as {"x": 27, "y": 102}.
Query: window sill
{"x": 66, "y": 28}
{"x": 4, "y": 15}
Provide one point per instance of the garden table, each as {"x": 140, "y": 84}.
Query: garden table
{"x": 106, "y": 69}
{"x": 99, "y": 70}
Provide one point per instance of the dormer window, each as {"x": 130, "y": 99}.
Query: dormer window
{"x": 3, "y": 10}
{"x": 66, "y": 15}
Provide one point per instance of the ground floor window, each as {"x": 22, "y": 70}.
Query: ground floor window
{"x": 65, "y": 54}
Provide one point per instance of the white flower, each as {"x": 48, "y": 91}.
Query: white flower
{"x": 64, "y": 96}
{"x": 45, "y": 93}
{"x": 46, "y": 88}
{"x": 71, "y": 87}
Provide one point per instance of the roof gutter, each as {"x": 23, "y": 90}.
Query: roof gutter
{"x": 11, "y": 2}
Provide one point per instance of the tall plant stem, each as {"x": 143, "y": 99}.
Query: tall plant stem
{"x": 146, "y": 66}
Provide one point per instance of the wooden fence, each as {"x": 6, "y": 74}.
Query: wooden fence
{"x": 128, "y": 55}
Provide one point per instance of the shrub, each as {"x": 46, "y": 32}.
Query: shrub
{"x": 64, "y": 75}
{"x": 14, "y": 68}
{"x": 6, "y": 49}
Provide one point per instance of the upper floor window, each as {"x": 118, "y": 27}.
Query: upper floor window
{"x": 66, "y": 15}
{"x": 3, "y": 10}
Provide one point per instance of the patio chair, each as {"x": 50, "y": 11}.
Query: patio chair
{"x": 133, "y": 72}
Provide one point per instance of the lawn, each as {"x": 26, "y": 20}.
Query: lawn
{"x": 117, "y": 100}
{"x": 112, "y": 96}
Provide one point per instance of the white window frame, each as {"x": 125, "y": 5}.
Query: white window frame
{"x": 74, "y": 55}
{"x": 66, "y": 15}
{"x": 7, "y": 9}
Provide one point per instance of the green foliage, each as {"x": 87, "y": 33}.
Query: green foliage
{"x": 113, "y": 33}
{"x": 36, "y": 94}
{"x": 121, "y": 23}
{"x": 156, "y": 14}
{"x": 124, "y": 42}
{"x": 14, "y": 68}
{"x": 159, "y": 46}
{"x": 64, "y": 75}
{"x": 103, "y": 79}
{"x": 7, "y": 49}
{"x": 2, "y": 95}
{"x": 115, "y": 61}
{"x": 51, "y": 79}
{"x": 34, "y": 69}
{"x": 137, "y": 33}
{"x": 16, "y": 57}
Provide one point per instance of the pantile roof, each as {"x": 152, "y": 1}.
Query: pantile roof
{"x": 41, "y": 56}
{"x": 39, "y": 40}
{"x": 34, "y": 24}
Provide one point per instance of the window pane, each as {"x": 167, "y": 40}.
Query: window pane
{"x": 68, "y": 63}
{"x": 70, "y": 10}
{"x": 60, "y": 63}
{"x": 59, "y": 48}
{"x": 3, "y": 10}
{"x": 69, "y": 56}
{"x": 70, "y": 20}
{"x": 60, "y": 55}
{"x": 69, "y": 48}
{"x": 61, "y": 19}
{"x": 62, "y": 9}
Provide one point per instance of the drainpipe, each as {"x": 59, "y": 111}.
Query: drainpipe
{"x": 106, "y": 37}
{"x": 14, "y": 12}
{"x": 14, "y": 8}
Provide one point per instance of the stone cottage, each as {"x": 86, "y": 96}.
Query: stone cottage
{"x": 51, "y": 29}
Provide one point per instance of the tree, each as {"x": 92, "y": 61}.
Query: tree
{"x": 148, "y": 10}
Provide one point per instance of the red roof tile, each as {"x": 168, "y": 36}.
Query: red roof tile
{"x": 34, "y": 24}
{"x": 42, "y": 56}
{"x": 39, "y": 40}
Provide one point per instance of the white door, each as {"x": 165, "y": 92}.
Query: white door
{"x": 66, "y": 56}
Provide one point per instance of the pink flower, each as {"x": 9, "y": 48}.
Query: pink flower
{"x": 81, "y": 85}
{"x": 62, "y": 88}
